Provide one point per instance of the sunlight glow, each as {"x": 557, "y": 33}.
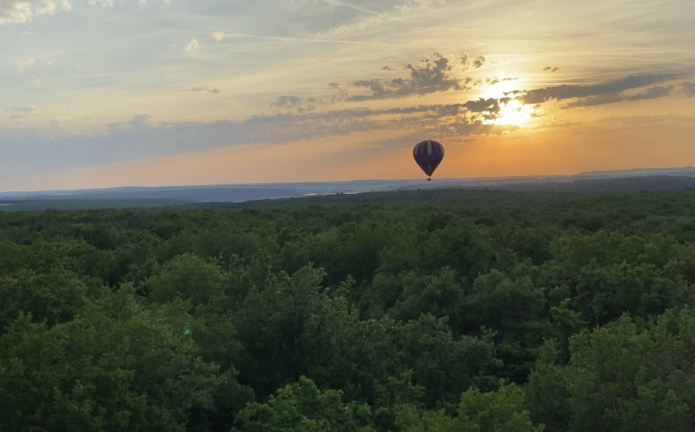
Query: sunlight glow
{"x": 512, "y": 113}
{"x": 500, "y": 88}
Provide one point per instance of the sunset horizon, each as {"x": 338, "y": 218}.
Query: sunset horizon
{"x": 100, "y": 94}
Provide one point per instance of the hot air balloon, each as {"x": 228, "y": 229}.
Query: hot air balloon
{"x": 428, "y": 154}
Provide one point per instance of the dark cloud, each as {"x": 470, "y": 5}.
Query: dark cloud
{"x": 487, "y": 109}
{"x": 688, "y": 88}
{"x": 205, "y": 89}
{"x": 298, "y": 104}
{"x": 302, "y": 105}
{"x": 608, "y": 90}
{"x": 472, "y": 62}
{"x": 650, "y": 93}
{"x": 493, "y": 81}
{"x": 431, "y": 75}
{"x": 143, "y": 136}
{"x": 550, "y": 69}
{"x": 595, "y": 100}
{"x": 341, "y": 95}
{"x": 483, "y": 105}
{"x": 445, "y": 120}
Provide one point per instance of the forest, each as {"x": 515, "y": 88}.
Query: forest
{"x": 438, "y": 310}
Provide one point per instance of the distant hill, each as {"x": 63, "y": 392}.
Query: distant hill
{"x": 603, "y": 185}
{"x": 684, "y": 171}
{"x": 134, "y": 197}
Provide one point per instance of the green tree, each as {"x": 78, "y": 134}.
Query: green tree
{"x": 439, "y": 294}
{"x": 118, "y": 366}
{"x": 500, "y": 410}
{"x": 623, "y": 376}
{"x": 186, "y": 276}
{"x": 53, "y": 296}
{"x": 302, "y": 407}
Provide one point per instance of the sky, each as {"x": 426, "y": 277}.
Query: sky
{"x": 105, "y": 93}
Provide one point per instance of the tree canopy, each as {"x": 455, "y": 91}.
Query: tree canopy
{"x": 439, "y": 310}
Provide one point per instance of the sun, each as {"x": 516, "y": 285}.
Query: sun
{"x": 512, "y": 113}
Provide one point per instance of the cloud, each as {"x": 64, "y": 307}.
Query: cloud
{"x": 607, "y": 91}
{"x": 442, "y": 120}
{"x": 20, "y": 11}
{"x": 342, "y": 94}
{"x": 551, "y": 69}
{"x": 493, "y": 81}
{"x": 25, "y": 109}
{"x": 145, "y": 136}
{"x": 192, "y": 45}
{"x": 139, "y": 122}
{"x": 25, "y": 64}
{"x": 688, "y": 88}
{"x": 489, "y": 108}
{"x": 472, "y": 62}
{"x": 418, "y": 4}
{"x": 351, "y": 5}
{"x": 361, "y": 24}
{"x": 431, "y": 75}
{"x": 651, "y": 93}
{"x": 298, "y": 104}
{"x": 34, "y": 81}
{"x": 375, "y": 15}
{"x": 302, "y": 105}
{"x": 218, "y": 36}
{"x": 143, "y": 119}
{"x": 602, "y": 99}
{"x": 22, "y": 112}
{"x": 205, "y": 89}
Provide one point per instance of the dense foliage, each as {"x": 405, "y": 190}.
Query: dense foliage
{"x": 443, "y": 310}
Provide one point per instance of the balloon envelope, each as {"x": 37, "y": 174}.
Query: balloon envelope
{"x": 428, "y": 154}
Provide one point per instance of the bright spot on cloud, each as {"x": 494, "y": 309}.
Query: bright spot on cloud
{"x": 499, "y": 88}
{"x": 218, "y": 36}
{"x": 192, "y": 45}
{"x": 512, "y": 113}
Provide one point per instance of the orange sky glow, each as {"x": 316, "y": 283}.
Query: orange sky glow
{"x": 230, "y": 93}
